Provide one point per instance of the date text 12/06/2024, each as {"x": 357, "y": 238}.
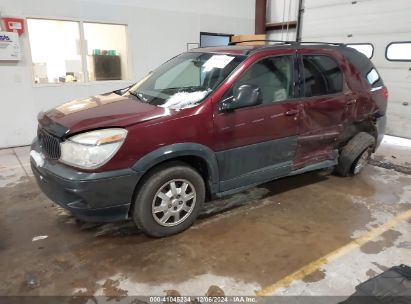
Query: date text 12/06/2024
{"x": 203, "y": 299}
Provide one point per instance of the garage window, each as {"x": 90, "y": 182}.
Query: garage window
{"x": 75, "y": 51}
{"x": 322, "y": 76}
{"x": 398, "y": 51}
{"x": 366, "y": 48}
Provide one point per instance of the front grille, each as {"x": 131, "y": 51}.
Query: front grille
{"x": 50, "y": 145}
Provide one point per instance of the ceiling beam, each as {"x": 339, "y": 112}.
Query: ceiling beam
{"x": 260, "y": 16}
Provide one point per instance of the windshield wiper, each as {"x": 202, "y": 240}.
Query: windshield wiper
{"x": 135, "y": 95}
{"x": 184, "y": 88}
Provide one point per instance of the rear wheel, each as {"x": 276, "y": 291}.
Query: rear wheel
{"x": 169, "y": 200}
{"x": 355, "y": 154}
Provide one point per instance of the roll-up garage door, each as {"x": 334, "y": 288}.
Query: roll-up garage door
{"x": 378, "y": 22}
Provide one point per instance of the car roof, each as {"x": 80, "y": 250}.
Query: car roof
{"x": 247, "y": 50}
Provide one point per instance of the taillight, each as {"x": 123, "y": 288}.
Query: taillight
{"x": 384, "y": 92}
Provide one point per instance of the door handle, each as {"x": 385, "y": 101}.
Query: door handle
{"x": 291, "y": 113}
{"x": 351, "y": 102}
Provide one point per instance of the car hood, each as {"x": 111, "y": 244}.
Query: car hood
{"x": 106, "y": 110}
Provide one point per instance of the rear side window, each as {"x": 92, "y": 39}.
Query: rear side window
{"x": 322, "y": 76}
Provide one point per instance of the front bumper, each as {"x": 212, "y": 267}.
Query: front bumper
{"x": 92, "y": 197}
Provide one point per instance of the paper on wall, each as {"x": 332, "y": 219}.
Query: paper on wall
{"x": 217, "y": 61}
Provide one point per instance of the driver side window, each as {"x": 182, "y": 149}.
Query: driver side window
{"x": 273, "y": 76}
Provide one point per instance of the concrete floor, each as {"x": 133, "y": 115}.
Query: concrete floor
{"x": 270, "y": 240}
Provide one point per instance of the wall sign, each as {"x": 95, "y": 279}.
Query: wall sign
{"x": 9, "y": 46}
{"x": 14, "y": 25}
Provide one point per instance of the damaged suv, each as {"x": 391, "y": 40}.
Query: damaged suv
{"x": 209, "y": 123}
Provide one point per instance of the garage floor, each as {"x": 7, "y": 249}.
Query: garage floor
{"x": 313, "y": 234}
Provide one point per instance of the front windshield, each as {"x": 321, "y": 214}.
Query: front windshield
{"x": 185, "y": 80}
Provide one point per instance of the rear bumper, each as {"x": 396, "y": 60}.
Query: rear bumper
{"x": 92, "y": 197}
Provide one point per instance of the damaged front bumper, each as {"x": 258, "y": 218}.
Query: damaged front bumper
{"x": 92, "y": 197}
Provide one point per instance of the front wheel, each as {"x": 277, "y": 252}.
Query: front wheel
{"x": 169, "y": 200}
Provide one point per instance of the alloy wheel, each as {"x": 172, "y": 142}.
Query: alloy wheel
{"x": 173, "y": 202}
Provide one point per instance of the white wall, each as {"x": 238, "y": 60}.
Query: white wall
{"x": 282, "y": 11}
{"x": 157, "y": 30}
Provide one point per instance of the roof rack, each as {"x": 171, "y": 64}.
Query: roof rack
{"x": 321, "y": 42}
{"x": 288, "y": 42}
{"x": 262, "y": 40}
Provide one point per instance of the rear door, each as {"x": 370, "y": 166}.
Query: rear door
{"x": 362, "y": 22}
{"x": 323, "y": 114}
{"x": 258, "y": 143}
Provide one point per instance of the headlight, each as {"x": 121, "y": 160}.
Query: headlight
{"x": 93, "y": 149}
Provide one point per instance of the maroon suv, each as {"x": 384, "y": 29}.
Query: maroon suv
{"x": 209, "y": 123}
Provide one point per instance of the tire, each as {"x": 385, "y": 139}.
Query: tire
{"x": 357, "y": 150}
{"x": 161, "y": 208}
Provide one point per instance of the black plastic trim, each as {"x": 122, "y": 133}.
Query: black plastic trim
{"x": 254, "y": 178}
{"x": 99, "y": 200}
{"x": 51, "y": 126}
{"x": 180, "y": 150}
{"x": 244, "y": 160}
{"x": 316, "y": 166}
{"x": 96, "y": 197}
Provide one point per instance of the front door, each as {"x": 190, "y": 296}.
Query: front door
{"x": 258, "y": 143}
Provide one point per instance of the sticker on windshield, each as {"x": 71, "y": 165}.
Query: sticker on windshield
{"x": 183, "y": 100}
{"x": 217, "y": 61}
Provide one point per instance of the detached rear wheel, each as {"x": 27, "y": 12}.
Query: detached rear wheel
{"x": 169, "y": 200}
{"x": 355, "y": 154}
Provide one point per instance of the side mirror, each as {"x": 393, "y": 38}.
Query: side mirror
{"x": 245, "y": 96}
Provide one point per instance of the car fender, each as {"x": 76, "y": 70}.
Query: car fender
{"x": 173, "y": 151}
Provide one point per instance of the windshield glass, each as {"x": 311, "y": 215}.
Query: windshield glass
{"x": 185, "y": 80}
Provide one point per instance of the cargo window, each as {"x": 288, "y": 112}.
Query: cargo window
{"x": 373, "y": 76}
{"x": 398, "y": 51}
{"x": 322, "y": 76}
{"x": 366, "y": 48}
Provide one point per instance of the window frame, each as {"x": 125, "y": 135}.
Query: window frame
{"x": 396, "y": 42}
{"x": 294, "y": 79}
{"x": 363, "y": 43}
{"x": 83, "y": 53}
{"x": 302, "y": 77}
